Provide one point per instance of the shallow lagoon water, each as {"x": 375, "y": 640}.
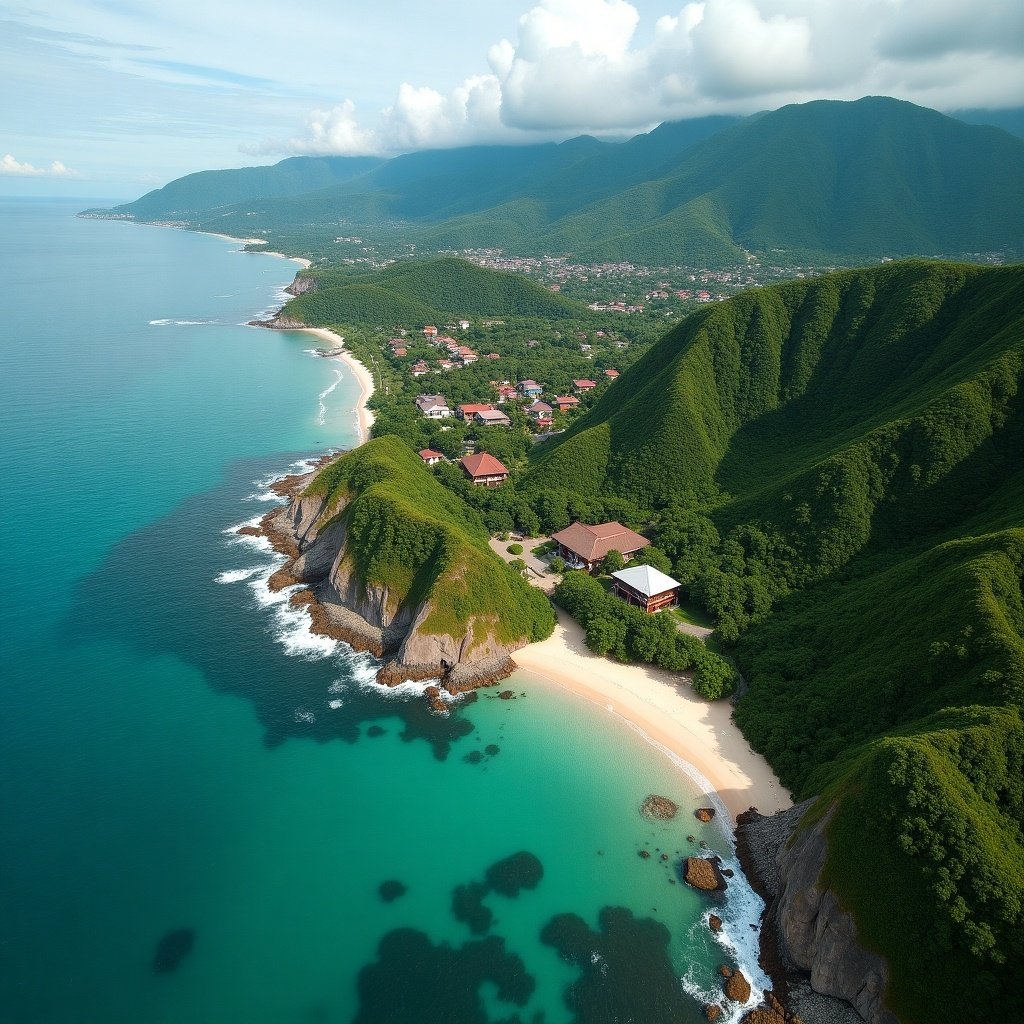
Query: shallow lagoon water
{"x": 179, "y": 754}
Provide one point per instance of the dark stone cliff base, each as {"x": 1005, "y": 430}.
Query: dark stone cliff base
{"x": 759, "y": 838}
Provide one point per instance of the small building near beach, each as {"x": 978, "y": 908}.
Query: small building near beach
{"x": 484, "y": 469}
{"x": 584, "y": 547}
{"x": 646, "y": 587}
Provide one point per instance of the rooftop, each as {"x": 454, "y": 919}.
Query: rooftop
{"x": 592, "y": 543}
{"x": 646, "y": 580}
{"x": 482, "y": 464}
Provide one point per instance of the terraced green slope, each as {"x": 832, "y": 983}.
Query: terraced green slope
{"x": 837, "y": 467}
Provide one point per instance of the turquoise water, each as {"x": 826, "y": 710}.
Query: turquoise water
{"x": 178, "y": 753}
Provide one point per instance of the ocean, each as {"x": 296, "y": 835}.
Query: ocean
{"x": 210, "y": 815}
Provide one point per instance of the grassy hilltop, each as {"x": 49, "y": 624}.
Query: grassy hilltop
{"x": 408, "y": 533}
{"x": 837, "y": 468}
{"x": 423, "y": 292}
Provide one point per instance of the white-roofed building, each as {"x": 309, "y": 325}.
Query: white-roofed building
{"x": 646, "y": 587}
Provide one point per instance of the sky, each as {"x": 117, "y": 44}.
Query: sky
{"x": 110, "y": 98}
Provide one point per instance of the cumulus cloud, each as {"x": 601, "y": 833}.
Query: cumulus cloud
{"x": 9, "y": 165}
{"x": 577, "y": 66}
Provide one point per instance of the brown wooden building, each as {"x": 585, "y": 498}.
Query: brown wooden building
{"x": 584, "y": 547}
{"x": 484, "y": 469}
{"x": 646, "y": 587}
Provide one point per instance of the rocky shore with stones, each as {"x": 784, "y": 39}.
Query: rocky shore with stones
{"x": 336, "y": 612}
{"x": 808, "y": 943}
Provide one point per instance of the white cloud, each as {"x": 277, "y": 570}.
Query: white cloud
{"x": 8, "y": 165}
{"x": 583, "y": 65}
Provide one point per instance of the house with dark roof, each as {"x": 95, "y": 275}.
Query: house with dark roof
{"x": 434, "y": 407}
{"x": 540, "y": 412}
{"x": 484, "y": 469}
{"x": 584, "y": 547}
{"x": 530, "y": 388}
{"x": 646, "y": 587}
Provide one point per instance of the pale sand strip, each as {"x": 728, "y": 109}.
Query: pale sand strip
{"x": 662, "y": 706}
{"x": 364, "y": 418}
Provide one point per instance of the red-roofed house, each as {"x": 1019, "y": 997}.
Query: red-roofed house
{"x": 430, "y": 332}
{"x": 584, "y": 385}
{"x": 430, "y": 457}
{"x": 484, "y": 469}
{"x": 611, "y": 374}
{"x": 584, "y": 547}
{"x": 563, "y": 403}
{"x": 505, "y": 392}
{"x": 470, "y": 409}
{"x": 420, "y": 369}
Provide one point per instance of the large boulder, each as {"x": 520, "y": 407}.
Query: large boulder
{"x": 737, "y": 988}
{"x": 703, "y": 873}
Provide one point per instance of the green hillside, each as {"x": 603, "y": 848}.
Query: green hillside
{"x": 408, "y": 533}
{"x": 836, "y": 469}
{"x": 187, "y": 197}
{"x": 422, "y": 291}
{"x": 824, "y": 181}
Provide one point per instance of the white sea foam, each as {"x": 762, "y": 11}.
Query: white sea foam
{"x": 322, "y": 417}
{"x": 180, "y": 323}
{"x": 290, "y": 625}
{"x": 237, "y": 575}
{"x": 335, "y": 704}
{"x": 304, "y": 715}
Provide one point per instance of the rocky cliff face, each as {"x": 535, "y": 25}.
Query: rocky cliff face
{"x": 368, "y": 616}
{"x": 302, "y": 284}
{"x": 805, "y": 928}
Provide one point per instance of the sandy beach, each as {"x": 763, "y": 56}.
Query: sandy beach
{"x": 665, "y": 711}
{"x": 364, "y": 418}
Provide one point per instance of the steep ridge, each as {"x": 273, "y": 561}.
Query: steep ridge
{"x": 400, "y": 566}
{"x": 836, "y": 468}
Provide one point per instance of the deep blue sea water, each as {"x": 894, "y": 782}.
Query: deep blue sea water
{"x": 177, "y": 753}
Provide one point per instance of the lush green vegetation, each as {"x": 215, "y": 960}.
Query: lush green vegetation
{"x": 816, "y": 181}
{"x": 616, "y": 628}
{"x": 425, "y": 292}
{"x": 835, "y": 470}
{"x": 408, "y": 533}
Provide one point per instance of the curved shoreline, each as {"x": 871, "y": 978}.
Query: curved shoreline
{"x": 670, "y": 716}
{"x": 364, "y": 417}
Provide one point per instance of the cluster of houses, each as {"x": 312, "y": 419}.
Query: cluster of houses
{"x": 458, "y": 356}
{"x": 487, "y": 414}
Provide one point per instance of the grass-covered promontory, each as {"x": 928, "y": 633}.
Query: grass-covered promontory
{"x": 408, "y": 533}
{"x": 424, "y": 291}
{"x": 835, "y": 468}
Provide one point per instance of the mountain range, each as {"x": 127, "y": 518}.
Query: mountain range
{"x": 825, "y": 181}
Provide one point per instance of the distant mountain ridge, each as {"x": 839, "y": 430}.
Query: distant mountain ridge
{"x": 821, "y": 181}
